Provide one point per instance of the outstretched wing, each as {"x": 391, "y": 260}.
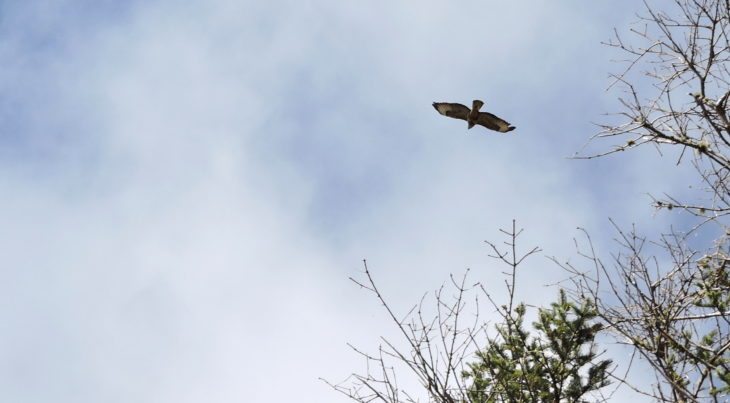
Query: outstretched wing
{"x": 492, "y": 122}
{"x": 456, "y": 111}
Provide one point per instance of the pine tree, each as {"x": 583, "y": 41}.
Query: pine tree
{"x": 555, "y": 363}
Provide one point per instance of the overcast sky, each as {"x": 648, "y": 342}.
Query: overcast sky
{"x": 185, "y": 189}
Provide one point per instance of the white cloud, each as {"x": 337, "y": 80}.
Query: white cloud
{"x": 203, "y": 179}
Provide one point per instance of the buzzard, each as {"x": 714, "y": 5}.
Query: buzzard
{"x": 473, "y": 116}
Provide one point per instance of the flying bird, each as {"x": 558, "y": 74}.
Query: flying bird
{"x": 473, "y": 116}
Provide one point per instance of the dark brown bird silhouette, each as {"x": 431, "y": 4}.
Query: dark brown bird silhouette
{"x": 473, "y": 116}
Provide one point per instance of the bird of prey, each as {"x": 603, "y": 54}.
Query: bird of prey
{"x": 473, "y": 116}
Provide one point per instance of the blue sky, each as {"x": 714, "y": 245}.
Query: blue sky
{"x": 186, "y": 189}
